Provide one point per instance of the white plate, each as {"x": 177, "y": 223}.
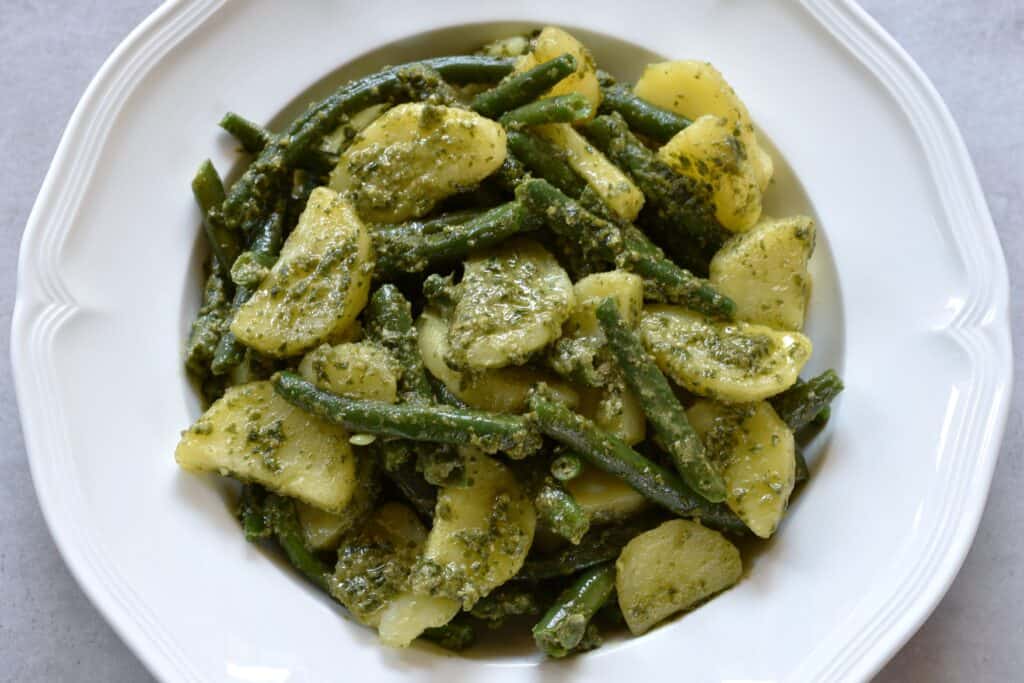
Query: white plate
{"x": 108, "y": 280}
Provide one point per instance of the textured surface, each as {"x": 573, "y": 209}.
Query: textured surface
{"x": 50, "y": 51}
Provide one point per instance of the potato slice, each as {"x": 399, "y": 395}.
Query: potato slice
{"x": 605, "y": 497}
{"x": 553, "y": 42}
{"x": 765, "y": 272}
{"x": 713, "y": 152}
{"x": 357, "y": 370}
{"x": 504, "y": 390}
{"x": 693, "y": 89}
{"x": 513, "y": 300}
{"x": 410, "y": 614}
{"x": 733, "y": 362}
{"x": 319, "y": 284}
{"x": 672, "y": 568}
{"x": 253, "y": 434}
{"x": 415, "y": 155}
{"x": 756, "y": 457}
{"x": 481, "y": 534}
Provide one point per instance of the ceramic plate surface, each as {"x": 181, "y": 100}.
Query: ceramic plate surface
{"x": 910, "y": 303}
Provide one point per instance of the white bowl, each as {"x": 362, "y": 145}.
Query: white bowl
{"x": 108, "y": 281}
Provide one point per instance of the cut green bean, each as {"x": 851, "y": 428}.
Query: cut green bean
{"x": 388, "y": 321}
{"x": 567, "y": 467}
{"x": 210, "y": 323}
{"x": 209, "y": 193}
{"x": 801, "y": 403}
{"x": 598, "y": 240}
{"x": 557, "y": 511}
{"x": 281, "y": 512}
{"x": 569, "y": 108}
{"x": 672, "y": 431}
{"x": 563, "y": 626}
{"x": 612, "y": 455}
{"x": 252, "y": 512}
{"x": 249, "y": 134}
{"x": 420, "y": 246}
{"x": 252, "y": 192}
{"x": 491, "y": 432}
{"x": 518, "y": 89}
{"x": 546, "y": 161}
{"x": 511, "y": 600}
{"x": 645, "y": 118}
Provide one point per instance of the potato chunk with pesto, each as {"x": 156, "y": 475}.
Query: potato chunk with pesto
{"x": 318, "y": 286}
{"x": 755, "y": 454}
{"x": 672, "y": 568}
{"x": 553, "y": 42}
{"x": 255, "y": 435}
{"x": 764, "y": 271}
{"x": 415, "y": 155}
{"x": 356, "y": 370}
{"x": 733, "y": 362}
{"x": 512, "y": 302}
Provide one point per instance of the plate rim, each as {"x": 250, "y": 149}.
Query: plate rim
{"x": 981, "y": 327}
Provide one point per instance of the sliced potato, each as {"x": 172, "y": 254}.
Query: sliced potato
{"x": 553, "y": 42}
{"x": 613, "y": 186}
{"x": 319, "y": 284}
{"x": 322, "y": 530}
{"x": 415, "y": 155}
{"x": 357, "y": 370}
{"x": 604, "y": 497}
{"x": 504, "y": 390}
{"x": 733, "y": 362}
{"x": 410, "y": 614}
{"x": 481, "y": 534}
{"x": 712, "y": 152}
{"x": 513, "y": 300}
{"x": 374, "y": 563}
{"x": 672, "y": 568}
{"x": 253, "y": 434}
{"x": 756, "y": 456}
{"x": 693, "y": 89}
{"x": 765, "y": 272}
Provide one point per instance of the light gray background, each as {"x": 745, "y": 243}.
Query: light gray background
{"x": 972, "y": 50}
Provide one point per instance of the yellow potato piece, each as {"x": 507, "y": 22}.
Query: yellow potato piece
{"x": 415, "y": 155}
{"x": 604, "y": 497}
{"x": 357, "y": 370}
{"x": 320, "y": 283}
{"x": 553, "y": 42}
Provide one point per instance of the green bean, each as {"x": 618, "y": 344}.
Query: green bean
{"x": 249, "y": 134}
{"x": 563, "y": 626}
{"x": 456, "y": 635}
{"x": 413, "y": 487}
{"x": 518, "y": 89}
{"x": 511, "y": 600}
{"x": 642, "y": 116}
{"x": 249, "y": 195}
{"x": 209, "y": 194}
{"x": 673, "y": 200}
{"x": 444, "y": 395}
{"x": 209, "y": 325}
{"x": 598, "y": 240}
{"x": 602, "y": 544}
{"x": 426, "y": 246}
{"x": 672, "y": 431}
{"x": 491, "y": 432}
{"x": 557, "y": 511}
{"x": 569, "y": 108}
{"x": 252, "y": 512}
{"x": 546, "y": 161}
{"x": 803, "y": 472}
{"x": 388, "y": 321}
{"x": 801, "y": 403}
{"x": 281, "y": 512}
{"x": 609, "y": 453}
{"x": 566, "y": 466}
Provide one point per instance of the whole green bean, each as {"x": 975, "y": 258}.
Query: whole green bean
{"x": 254, "y": 137}
{"x": 518, "y": 89}
{"x": 566, "y": 466}
{"x": 563, "y": 626}
{"x": 615, "y": 457}
{"x": 249, "y": 194}
{"x": 209, "y": 193}
{"x": 672, "y": 431}
{"x": 491, "y": 432}
{"x": 642, "y": 116}
{"x": 802, "y": 402}
{"x": 569, "y": 108}
{"x": 546, "y": 161}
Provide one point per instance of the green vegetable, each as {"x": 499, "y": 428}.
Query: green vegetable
{"x": 252, "y": 512}
{"x": 600, "y": 545}
{"x": 672, "y": 430}
{"x": 803, "y": 472}
{"x": 570, "y": 108}
{"x": 562, "y": 628}
{"x": 510, "y": 600}
{"x": 249, "y": 195}
{"x": 388, "y": 321}
{"x": 642, "y": 116}
{"x": 524, "y": 87}
{"x": 281, "y": 513}
{"x": 209, "y": 194}
{"x": 490, "y": 432}
{"x": 456, "y": 635}
{"x": 556, "y": 509}
{"x": 254, "y": 137}
{"x": 566, "y": 467}
{"x": 612, "y": 455}
{"x": 420, "y": 246}
{"x": 799, "y": 405}
{"x": 209, "y": 325}
{"x": 545, "y": 161}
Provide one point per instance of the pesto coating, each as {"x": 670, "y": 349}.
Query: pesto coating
{"x": 490, "y": 432}
{"x": 601, "y": 544}
{"x": 564, "y": 625}
{"x": 672, "y": 431}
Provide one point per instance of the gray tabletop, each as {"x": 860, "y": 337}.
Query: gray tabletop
{"x": 972, "y": 49}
